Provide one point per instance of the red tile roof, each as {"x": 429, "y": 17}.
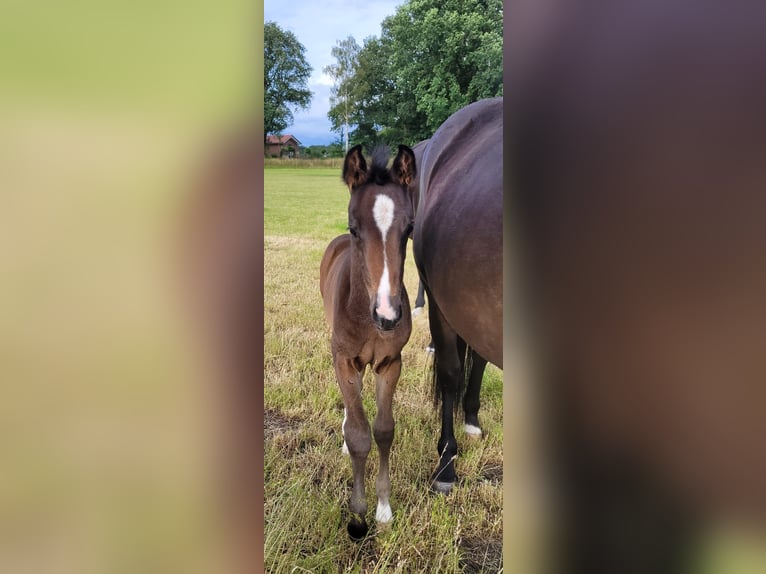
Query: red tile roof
{"x": 281, "y": 139}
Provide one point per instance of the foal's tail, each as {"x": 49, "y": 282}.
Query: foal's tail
{"x": 466, "y": 361}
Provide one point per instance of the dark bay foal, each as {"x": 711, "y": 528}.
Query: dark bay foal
{"x": 367, "y": 308}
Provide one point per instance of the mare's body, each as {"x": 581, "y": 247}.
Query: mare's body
{"x": 458, "y": 247}
{"x": 639, "y": 145}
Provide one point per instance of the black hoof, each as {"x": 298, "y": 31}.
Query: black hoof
{"x": 357, "y": 530}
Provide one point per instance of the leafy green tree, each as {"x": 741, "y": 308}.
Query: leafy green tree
{"x": 445, "y": 55}
{"x": 345, "y": 53}
{"x": 285, "y": 78}
{"x": 433, "y": 57}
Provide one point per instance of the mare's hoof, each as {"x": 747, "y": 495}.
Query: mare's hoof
{"x": 442, "y": 487}
{"x": 357, "y": 530}
{"x": 417, "y": 311}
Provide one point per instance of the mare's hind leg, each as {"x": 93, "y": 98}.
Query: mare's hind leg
{"x": 448, "y": 372}
{"x": 386, "y": 377}
{"x": 356, "y": 433}
{"x": 471, "y": 401}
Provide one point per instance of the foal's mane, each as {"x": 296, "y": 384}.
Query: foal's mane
{"x": 378, "y": 172}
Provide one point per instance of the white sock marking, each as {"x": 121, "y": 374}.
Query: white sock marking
{"x": 472, "y": 430}
{"x": 383, "y": 212}
{"x": 383, "y": 513}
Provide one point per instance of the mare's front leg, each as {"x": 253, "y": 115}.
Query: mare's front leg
{"x": 356, "y": 433}
{"x": 386, "y": 377}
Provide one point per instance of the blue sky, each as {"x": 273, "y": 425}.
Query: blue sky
{"x": 318, "y": 25}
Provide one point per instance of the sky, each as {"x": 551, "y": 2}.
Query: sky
{"x": 319, "y": 25}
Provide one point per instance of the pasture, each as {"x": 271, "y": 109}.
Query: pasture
{"x": 307, "y": 478}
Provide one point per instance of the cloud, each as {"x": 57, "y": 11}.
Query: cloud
{"x": 324, "y": 80}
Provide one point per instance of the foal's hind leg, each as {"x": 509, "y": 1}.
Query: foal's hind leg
{"x": 356, "y": 432}
{"x": 386, "y": 377}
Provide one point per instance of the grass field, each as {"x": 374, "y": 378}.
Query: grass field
{"x": 308, "y": 480}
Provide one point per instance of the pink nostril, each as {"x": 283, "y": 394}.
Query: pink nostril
{"x": 386, "y": 311}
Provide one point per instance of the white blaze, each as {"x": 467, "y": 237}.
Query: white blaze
{"x": 383, "y": 212}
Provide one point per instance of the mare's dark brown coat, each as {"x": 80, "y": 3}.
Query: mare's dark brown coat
{"x": 458, "y": 238}
{"x": 639, "y": 139}
{"x": 458, "y": 247}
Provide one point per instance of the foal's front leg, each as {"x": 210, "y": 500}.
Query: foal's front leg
{"x": 386, "y": 377}
{"x": 356, "y": 434}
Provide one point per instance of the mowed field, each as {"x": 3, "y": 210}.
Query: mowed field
{"x": 308, "y": 480}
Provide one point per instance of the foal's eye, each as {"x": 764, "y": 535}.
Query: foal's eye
{"x": 353, "y": 231}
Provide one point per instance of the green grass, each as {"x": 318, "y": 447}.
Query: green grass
{"x": 307, "y": 477}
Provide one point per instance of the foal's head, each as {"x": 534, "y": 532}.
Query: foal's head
{"x": 380, "y": 219}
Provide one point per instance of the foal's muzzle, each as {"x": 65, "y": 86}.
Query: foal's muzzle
{"x": 385, "y": 324}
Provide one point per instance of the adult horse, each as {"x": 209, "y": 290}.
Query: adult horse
{"x": 366, "y": 306}
{"x": 458, "y": 247}
{"x": 638, "y": 156}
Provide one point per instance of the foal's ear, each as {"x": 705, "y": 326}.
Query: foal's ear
{"x": 354, "y": 168}
{"x": 404, "y": 169}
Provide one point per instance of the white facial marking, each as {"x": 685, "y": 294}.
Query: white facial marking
{"x": 472, "y": 430}
{"x": 383, "y": 513}
{"x": 383, "y": 212}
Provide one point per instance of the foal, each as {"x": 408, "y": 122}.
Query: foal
{"x": 368, "y": 310}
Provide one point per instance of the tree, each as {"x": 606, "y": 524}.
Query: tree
{"x": 445, "y": 55}
{"x": 433, "y": 57}
{"x": 363, "y": 92}
{"x": 345, "y": 53}
{"x": 285, "y": 78}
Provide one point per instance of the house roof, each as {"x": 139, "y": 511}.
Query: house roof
{"x": 282, "y": 140}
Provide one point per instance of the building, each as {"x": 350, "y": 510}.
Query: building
{"x": 283, "y": 146}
